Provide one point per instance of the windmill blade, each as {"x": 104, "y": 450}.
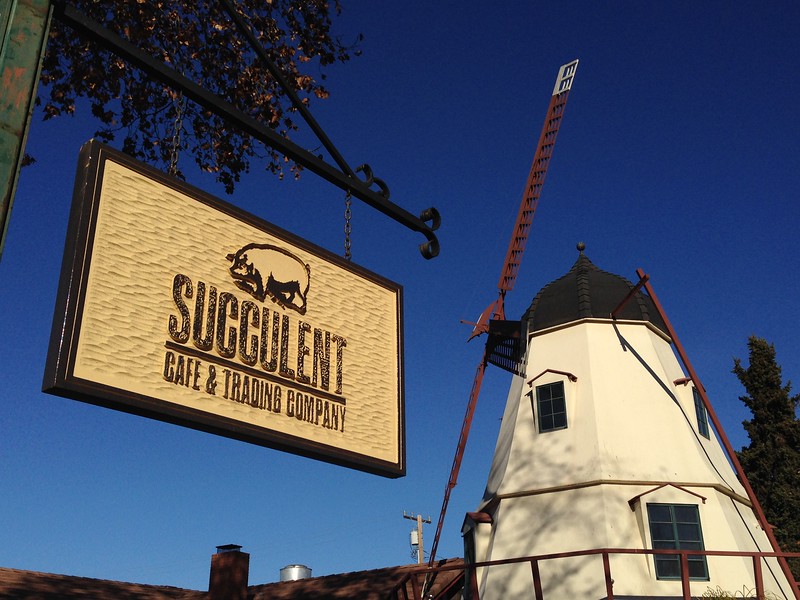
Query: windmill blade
{"x": 538, "y": 171}
{"x": 516, "y": 248}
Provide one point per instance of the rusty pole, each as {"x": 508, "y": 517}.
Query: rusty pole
{"x": 762, "y": 519}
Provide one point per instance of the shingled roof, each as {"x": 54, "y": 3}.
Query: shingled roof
{"x": 588, "y": 292}
{"x": 364, "y": 585}
{"x": 374, "y": 584}
{"x": 29, "y": 585}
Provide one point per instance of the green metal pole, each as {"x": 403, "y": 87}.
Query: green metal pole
{"x": 24, "y": 25}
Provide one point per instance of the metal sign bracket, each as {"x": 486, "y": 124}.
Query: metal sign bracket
{"x": 341, "y": 175}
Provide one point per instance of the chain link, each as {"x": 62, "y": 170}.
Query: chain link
{"x": 180, "y": 105}
{"x": 348, "y": 214}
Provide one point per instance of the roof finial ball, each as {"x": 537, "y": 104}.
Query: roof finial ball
{"x": 581, "y": 247}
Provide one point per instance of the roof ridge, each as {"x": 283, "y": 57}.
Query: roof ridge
{"x": 395, "y": 568}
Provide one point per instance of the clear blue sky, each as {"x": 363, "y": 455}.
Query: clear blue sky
{"x": 679, "y": 154}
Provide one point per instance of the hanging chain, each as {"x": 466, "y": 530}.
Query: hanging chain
{"x": 348, "y": 213}
{"x": 180, "y": 105}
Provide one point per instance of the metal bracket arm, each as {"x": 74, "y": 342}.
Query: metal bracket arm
{"x": 278, "y": 76}
{"x": 348, "y": 182}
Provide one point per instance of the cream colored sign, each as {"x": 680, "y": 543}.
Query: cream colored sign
{"x": 188, "y": 310}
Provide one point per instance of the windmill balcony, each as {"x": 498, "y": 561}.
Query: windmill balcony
{"x": 600, "y": 584}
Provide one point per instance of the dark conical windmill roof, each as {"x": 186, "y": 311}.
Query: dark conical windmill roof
{"x": 588, "y": 292}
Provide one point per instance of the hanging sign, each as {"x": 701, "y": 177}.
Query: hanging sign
{"x": 178, "y": 306}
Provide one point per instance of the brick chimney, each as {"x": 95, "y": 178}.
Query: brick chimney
{"x": 230, "y": 568}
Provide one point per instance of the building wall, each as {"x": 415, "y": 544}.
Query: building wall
{"x": 631, "y": 439}
{"x": 600, "y": 517}
{"x": 626, "y": 418}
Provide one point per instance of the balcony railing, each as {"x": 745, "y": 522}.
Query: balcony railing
{"x": 414, "y": 585}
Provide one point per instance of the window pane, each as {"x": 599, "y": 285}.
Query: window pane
{"x": 662, "y": 531}
{"x": 668, "y": 567}
{"x": 701, "y": 413}
{"x": 691, "y": 545}
{"x": 677, "y": 526}
{"x": 659, "y": 513}
{"x": 686, "y": 513}
{"x": 697, "y": 568}
{"x": 688, "y": 533}
{"x": 551, "y": 406}
{"x": 546, "y": 423}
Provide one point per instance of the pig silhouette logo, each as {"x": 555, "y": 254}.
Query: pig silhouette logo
{"x": 264, "y": 270}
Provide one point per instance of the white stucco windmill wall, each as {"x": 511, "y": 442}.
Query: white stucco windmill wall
{"x": 630, "y": 429}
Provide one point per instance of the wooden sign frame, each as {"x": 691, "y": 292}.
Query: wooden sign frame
{"x": 177, "y": 306}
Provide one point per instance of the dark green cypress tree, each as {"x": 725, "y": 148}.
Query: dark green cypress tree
{"x": 772, "y": 460}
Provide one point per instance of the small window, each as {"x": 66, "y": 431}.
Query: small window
{"x": 551, "y": 407}
{"x": 676, "y": 527}
{"x": 702, "y": 414}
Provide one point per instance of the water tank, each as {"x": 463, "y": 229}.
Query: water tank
{"x": 295, "y": 572}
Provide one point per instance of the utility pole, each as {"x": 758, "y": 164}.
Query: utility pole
{"x": 420, "y": 521}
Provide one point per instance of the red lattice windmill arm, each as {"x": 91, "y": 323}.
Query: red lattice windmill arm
{"x": 516, "y": 248}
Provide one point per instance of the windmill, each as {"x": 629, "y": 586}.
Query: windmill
{"x": 502, "y": 344}
{"x": 625, "y": 461}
